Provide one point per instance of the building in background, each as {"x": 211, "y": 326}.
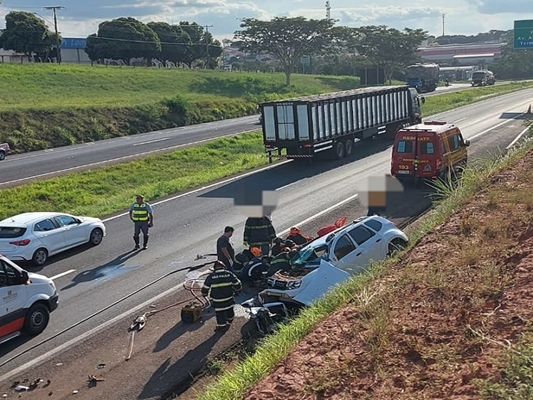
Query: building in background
{"x": 482, "y": 54}
{"x": 73, "y": 51}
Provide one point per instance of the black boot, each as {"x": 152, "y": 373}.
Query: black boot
{"x": 136, "y": 239}
{"x": 145, "y": 242}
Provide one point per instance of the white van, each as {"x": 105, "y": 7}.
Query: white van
{"x": 26, "y": 301}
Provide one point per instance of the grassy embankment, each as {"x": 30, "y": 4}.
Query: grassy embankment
{"x": 106, "y": 190}
{"x": 46, "y": 105}
{"x": 476, "y": 273}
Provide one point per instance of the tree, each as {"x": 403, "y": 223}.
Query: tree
{"x": 26, "y": 33}
{"x": 174, "y": 41}
{"x": 389, "y": 48}
{"x": 287, "y": 39}
{"x": 123, "y": 39}
{"x": 197, "y": 48}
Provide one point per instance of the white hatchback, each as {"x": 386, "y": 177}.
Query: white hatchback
{"x": 35, "y": 236}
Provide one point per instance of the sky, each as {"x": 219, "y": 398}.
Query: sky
{"x": 80, "y": 18}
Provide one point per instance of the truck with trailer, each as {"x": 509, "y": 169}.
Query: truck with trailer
{"x": 422, "y": 77}
{"x": 329, "y": 124}
{"x": 483, "y": 78}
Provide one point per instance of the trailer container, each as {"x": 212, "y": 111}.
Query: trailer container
{"x": 306, "y": 127}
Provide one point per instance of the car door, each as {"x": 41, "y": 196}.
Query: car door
{"x": 369, "y": 245}
{"x": 12, "y": 299}
{"x": 51, "y": 235}
{"x": 75, "y": 233}
{"x": 342, "y": 254}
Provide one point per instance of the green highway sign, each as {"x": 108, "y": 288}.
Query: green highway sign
{"x": 523, "y": 34}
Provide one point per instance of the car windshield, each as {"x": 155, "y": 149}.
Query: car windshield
{"x": 478, "y": 75}
{"x": 310, "y": 255}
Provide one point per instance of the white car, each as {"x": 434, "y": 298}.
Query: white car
{"x": 332, "y": 259}
{"x": 35, "y": 236}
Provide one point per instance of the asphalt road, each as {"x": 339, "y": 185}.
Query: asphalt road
{"x": 19, "y": 169}
{"x": 97, "y": 285}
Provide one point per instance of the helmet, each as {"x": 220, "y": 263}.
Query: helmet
{"x": 256, "y": 251}
{"x": 289, "y": 244}
{"x": 294, "y": 230}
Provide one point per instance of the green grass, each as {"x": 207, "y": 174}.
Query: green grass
{"x": 106, "y": 190}
{"x": 448, "y": 101}
{"x": 51, "y": 86}
{"x": 233, "y": 384}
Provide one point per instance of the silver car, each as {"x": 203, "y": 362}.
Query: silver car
{"x": 333, "y": 258}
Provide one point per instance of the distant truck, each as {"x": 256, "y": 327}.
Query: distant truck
{"x": 483, "y": 78}
{"x": 422, "y": 77}
{"x": 4, "y": 150}
{"x": 329, "y": 124}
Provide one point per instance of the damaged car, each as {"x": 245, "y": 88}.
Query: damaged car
{"x": 332, "y": 259}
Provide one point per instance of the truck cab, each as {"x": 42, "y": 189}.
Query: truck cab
{"x": 26, "y": 300}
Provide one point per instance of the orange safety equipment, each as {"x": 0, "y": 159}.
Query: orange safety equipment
{"x": 294, "y": 231}
{"x": 256, "y": 251}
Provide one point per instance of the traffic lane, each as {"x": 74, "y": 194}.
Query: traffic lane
{"x": 17, "y": 169}
{"x": 316, "y": 194}
{"x": 102, "y": 289}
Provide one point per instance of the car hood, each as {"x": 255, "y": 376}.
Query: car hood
{"x": 318, "y": 282}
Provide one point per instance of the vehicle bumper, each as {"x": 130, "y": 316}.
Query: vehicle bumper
{"x": 53, "y": 302}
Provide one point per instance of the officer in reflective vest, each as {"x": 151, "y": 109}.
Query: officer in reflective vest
{"x": 143, "y": 218}
{"x": 222, "y": 285}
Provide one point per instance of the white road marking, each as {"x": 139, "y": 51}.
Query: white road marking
{"x": 62, "y": 274}
{"x": 495, "y": 126}
{"x": 459, "y": 120}
{"x": 516, "y": 139}
{"x": 151, "y": 141}
{"x": 233, "y": 178}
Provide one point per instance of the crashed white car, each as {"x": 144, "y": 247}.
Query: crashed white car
{"x": 332, "y": 259}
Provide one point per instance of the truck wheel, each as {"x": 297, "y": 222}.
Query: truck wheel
{"x": 36, "y": 319}
{"x": 40, "y": 257}
{"x": 339, "y": 150}
{"x": 2, "y": 155}
{"x": 348, "y": 147}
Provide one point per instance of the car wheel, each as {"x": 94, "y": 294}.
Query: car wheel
{"x": 40, "y": 256}
{"x": 36, "y": 319}
{"x": 2, "y": 155}
{"x": 396, "y": 245}
{"x": 348, "y": 147}
{"x": 96, "y": 237}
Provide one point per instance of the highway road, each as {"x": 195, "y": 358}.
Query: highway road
{"x": 21, "y": 168}
{"x": 97, "y": 285}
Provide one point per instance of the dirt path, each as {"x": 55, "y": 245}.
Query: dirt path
{"x": 442, "y": 318}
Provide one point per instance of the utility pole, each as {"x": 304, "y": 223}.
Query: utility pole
{"x": 207, "y": 43}
{"x": 443, "y": 16}
{"x": 54, "y": 9}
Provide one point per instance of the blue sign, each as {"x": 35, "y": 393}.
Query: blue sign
{"x": 73, "y": 43}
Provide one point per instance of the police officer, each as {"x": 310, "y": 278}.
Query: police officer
{"x": 221, "y": 285}
{"x": 143, "y": 218}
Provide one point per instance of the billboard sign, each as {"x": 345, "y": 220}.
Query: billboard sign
{"x": 523, "y": 34}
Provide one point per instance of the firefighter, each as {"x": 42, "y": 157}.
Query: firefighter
{"x": 255, "y": 269}
{"x": 282, "y": 262}
{"x": 240, "y": 260}
{"x": 222, "y": 285}
{"x": 296, "y": 236}
{"x": 279, "y": 244}
{"x": 259, "y": 232}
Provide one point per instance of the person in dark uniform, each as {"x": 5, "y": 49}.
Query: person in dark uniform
{"x": 225, "y": 252}
{"x": 259, "y": 232}
{"x": 221, "y": 286}
{"x": 296, "y": 236}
